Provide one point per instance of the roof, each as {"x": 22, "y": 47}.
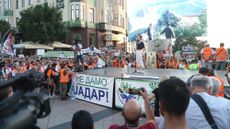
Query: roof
{"x": 31, "y": 45}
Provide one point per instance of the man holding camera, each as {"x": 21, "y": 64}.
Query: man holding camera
{"x": 132, "y": 113}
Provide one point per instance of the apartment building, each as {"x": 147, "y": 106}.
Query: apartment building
{"x": 94, "y": 22}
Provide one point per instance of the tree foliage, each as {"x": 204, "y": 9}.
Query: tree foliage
{"x": 4, "y": 27}
{"x": 186, "y": 35}
{"x": 42, "y": 23}
{"x": 184, "y": 41}
{"x": 168, "y": 18}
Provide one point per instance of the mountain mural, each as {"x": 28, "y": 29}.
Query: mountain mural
{"x": 142, "y": 13}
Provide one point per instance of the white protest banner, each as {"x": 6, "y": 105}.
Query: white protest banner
{"x": 122, "y": 87}
{"x": 94, "y": 89}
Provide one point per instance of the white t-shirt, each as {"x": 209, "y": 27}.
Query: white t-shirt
{"x": 79, "y": 52}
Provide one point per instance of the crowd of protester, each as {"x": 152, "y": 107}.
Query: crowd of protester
{"x": 58, "y": 72}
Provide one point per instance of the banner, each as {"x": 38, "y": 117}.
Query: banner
{"x": 122, "y": 87}
{"x": 94, "y": 89}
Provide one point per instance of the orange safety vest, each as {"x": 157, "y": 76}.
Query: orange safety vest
{"x": 221, "y": 86}
{"x": 221, "y": 54}
{"x": 207, "y": 52}
{"x": 64, "y": 78}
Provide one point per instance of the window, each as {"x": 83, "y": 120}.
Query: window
{"x": 0, "y": 7}
{"x": 29, "y": 2}
{"x": 82, "y": 12}
{"x": 123, "y": 4}
{"x": 91, "y": 15}
{"x": 92, "y": 40}
{"x": 4, "y": 4}
{"x": 17, "y": 4}
{"x": 115, "y": 20}
{"x": 72, "y": 12}
{"x": 123, "y": 22}
{"x": 77, "y": 13}
{"x": 23, "y": 3}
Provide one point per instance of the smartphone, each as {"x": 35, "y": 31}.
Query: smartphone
{"x": 135, "y": 91}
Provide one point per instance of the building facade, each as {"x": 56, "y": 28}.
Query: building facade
{"x": 94, "y": 22}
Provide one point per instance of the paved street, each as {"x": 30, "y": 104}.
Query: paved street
{"x": 62, "y": 112}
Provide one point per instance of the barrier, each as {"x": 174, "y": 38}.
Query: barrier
{"x": 101, "y": 90}
{"x": 95, "y": 89}
{"x": 123, "y": 85}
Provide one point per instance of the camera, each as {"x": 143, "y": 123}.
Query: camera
{"x": 21, "y": 110}
{"x": 133, "y": 91}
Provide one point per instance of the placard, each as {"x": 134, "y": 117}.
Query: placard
{"x": 95, "y": 89}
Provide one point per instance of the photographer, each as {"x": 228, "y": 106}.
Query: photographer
{"x": 132, "y": 113}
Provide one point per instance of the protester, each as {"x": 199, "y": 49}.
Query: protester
{"x": 140, "y": 51}
{"x": 64, "y": 79}
{"x": 221, "y": 57}
{"x": 82, "y": 120}
{"x": 207, "y": 56}
{"x": 194, "y": 65}
{"x": 132, "y": 113}
{"x": 218, "y": 106}
{"x": 220, "y": 83}
{"x": 227, "y": 74}
{"x": 173, "y": 100}
{"x": 51, "y": 73}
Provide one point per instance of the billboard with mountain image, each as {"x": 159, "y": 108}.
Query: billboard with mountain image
{"x": 188, "y": 18}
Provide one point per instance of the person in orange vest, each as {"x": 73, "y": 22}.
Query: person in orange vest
{"x": 51, "y": 73}
{"x": 206, "y": 56}
{"x": 64, "y": 79}
{"x": 220, "y": 80}
{"x": 221, "y": 56}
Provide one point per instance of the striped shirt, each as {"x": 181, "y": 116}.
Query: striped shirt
{"x": 219, "y": 108}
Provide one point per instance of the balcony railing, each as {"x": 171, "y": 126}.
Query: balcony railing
{"x": 91, "y": 25}
{"x": 115, "y": 29}
{"x": 77, "y": 23}
{"x": 112, "y": 37}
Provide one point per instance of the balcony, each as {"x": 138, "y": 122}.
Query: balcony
{"x": 91, "y": 25}
{"x": 111, "y": 37}
{"x": 77, "y": 23}
{"x": 8, "y": 13}
{"x": 118, "y": 30}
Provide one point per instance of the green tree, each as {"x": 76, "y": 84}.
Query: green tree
{"x": 190, "y": 40}
{"x": 4, "y": 27}
{"x": 168, "y": 18}
{"x": 42, "y": 23}
{"x": 203, "y": 22}
{"x": 186, "y": 35}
